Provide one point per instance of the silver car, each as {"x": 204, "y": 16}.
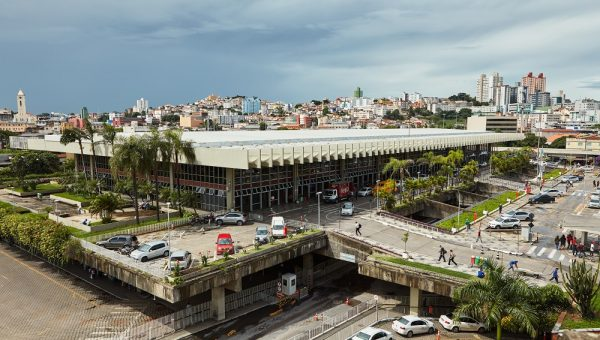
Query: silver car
{"x": 233, "y": 217}
{"x": 505, "y": 222}
{"x": 554, "y": 192}
{"x": 519, "y": 215}
{"x": 150, "y": 250}
{"x": 181, "y": 257}
{"x": 347, "y": 209}
{"x": 364, "y": 192}
{"x": 464, "y": 323}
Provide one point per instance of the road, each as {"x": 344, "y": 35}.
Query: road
{"x": 38, "y": 301}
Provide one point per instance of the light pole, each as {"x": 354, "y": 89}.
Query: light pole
{"x": 56, "y": 209}
{"x": 378, "y": 188}
{"x": 418, "y": 175}
{"x": 458, "y": 215}
{"x": 319, "y": 209}
{"x": 169, "y": 229}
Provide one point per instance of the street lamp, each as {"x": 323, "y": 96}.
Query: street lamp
{"x": 319, "y": 209}
{"x": 377, "y": 193}
{"x": 418, "y": 175}
{"x": 169, "y": 230}
{"x": 56, "y": 209}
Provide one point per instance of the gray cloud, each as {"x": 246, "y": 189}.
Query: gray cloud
{"x": 105, "y": 54}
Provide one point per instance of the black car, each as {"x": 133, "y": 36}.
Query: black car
{"x": 541, "y": 198}
{"x": 119, "y": 241}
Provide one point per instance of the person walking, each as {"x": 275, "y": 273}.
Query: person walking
{"x": 500, "y": 210}
{"x": 357, "y": 229}
{"x": 451, "y": 257}
{"x": 557, "y": 241}
{"x": 442, "y": 254}
{"x": 563, "y": 239}
{"x": 569, "y": 239}
{"x": 478, "y": 236}
{"x": 512, "y": 264}
{"x": 554, "y": 275}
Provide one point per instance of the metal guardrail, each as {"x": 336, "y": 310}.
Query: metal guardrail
{"x": 414, "y": 223}
{"x": 140, "y": 230}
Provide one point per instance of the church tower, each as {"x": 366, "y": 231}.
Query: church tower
{"x": 21, "y": 108}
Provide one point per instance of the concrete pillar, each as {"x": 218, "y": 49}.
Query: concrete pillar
{"x": 584, "y": 237}
{"x": 295, "y": 180}
{"x": 217, "y": 303}
{"x": 342, "y": 168}
{"x": 307, "y": 270}
{"x": 230, "y": 187}
{"x": 414, "y": 300}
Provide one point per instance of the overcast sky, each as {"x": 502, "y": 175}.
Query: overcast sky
{"x": 66, "y": 54}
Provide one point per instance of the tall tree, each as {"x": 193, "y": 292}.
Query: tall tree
{"x": 89, "y": 133}
{"x": 499, "y": 297}
{"x": 158, "y": 149}
{"x": 109, "y": 134}
{"x": 179, "y": 147}
{"x": 129, "y": 155}
{"x": 397, "y": 166}
{"x": 72, "y": 135}
{"x": 581, "y": 283}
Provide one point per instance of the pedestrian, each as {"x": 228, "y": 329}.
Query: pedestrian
{"x": 357, "y": 230}
{"x": 554, "y": 275}
{"x": 478, "y": 236}
{"x": 575, "y": 248}
{"x": 594, "y": 183}
{"x": 557, "y": 241}
{"x": 451, "y": 257}
{"x": 442, "y": 254}
{"x": 563, "y": 239}
{"x": 569, "y": 239}
{"x": 500, "y": 210}
{"x": 581, "y": 250}
{"x": 480, "y": 273}
{"x": 513, "y": 264}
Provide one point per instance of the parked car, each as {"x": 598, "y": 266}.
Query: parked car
{"x": 464, "y": 324}
{"x": 181, "y": 257}
{"x": 587, "y": 168}
{"x": 519, "y": 215}
{"x": 262, "y": 234}
{"x": 150, "y": 250}
{"x": 119, "y": 241}
{"x": 225, "y": 244}
{"x": 594, "y": 202}
{"x": 541, "y": 198}
{"x": 505, "y": 222}
{"x": 553, "y": 192}
{"x": 372, "y": 333}
{"x": 365, "y": 191}
{"x": 278, "y": 227}
{"x": 233, "y": 217}
{"x": 410, "y": 324}
{"x": 347, "y": 209}
{"x": 569, "y": 178}
{"x": 596, "y": 192}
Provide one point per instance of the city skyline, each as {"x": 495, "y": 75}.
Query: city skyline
{"x": 105, "y": 57}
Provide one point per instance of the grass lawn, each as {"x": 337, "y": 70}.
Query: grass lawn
{"x": 554, "y": 173}
{"x": 72, "y": 196}
{"x": 82, "y": 234}
{"x": 487, "y": 205}
{"x": 13, "y": 209}
{"x": 424, "y": 266}
{"x": 571, "y": 322}
{"x": 41, "y": 187}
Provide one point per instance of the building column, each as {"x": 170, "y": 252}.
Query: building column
{"x": 415, "y": 298}
{"x": 92, "y": 167}
{"x": 307, "y": 270}
{"x": 584, "y": 237}
{"x": 217, "y": 303}
{"x": 295, "y": 181}
{"x": 230, "y": 187}
{"x": 342, "y": 168}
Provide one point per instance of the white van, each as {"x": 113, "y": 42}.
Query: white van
{"x": 278, "y": 227}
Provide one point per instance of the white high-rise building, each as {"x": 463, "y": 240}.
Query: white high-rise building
{"x": 141, "y": 105}
{"x": 495, "y": 83}
{"x": 482, "y": 93}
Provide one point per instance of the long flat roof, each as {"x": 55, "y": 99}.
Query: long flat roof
{"x": 251, "y": 149}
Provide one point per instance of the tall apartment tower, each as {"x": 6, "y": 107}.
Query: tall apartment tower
{"x": 141, "y": 105}
{"x": 495, "y": 83}
{"x": 358, "y": 93}
{"x": 482, "y": 94}
{"x": 534, "y": 84}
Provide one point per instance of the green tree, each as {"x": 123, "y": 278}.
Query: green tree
{"x": 5, "y": 138}
{"x": 397, "y": 166}
{"x": 105, "y": 205}
{"x": 531, "y": 140}
{"x": 189, "y": 199}
{"x": 158, "y": 150}
{"x": 559, "y": 143}
{"x": 72, "y": 135}
{"x": 581, "y": 283}
{"x": 129, "y": 156}
{"x": 178, "y": 148}
{"x": 262, "y": 126}
{"x": 325, "y": 111}
{"x": 469, "y": 171}
{"x": 89, "y": 133}
{"x": 499, "y": 298}
{"x": 109, "y": 134}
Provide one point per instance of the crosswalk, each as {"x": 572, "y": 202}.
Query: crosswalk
{"x": 579, "y": 193}
{"x": 549, "y": 253}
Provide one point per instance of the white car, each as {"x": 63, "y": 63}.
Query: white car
{"x": 365, "y": 191}
{"x": 464, "y": 324}
{"x": 596, "y": 192}
{"x": 347, "y": 209}
{"x": 372, "y": 333}
{"x": 181, "y": 257}
{"x": 505, "y": 222}
{"x": 554, "y": 192}
{"x": 569, "y": 178}
{"x": 587, "y": 168}
{"x": 594, "y": 202}
{"x": 150, "y": 250}
{"x": 409, "y": 325}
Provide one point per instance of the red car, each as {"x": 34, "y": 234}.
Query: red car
{"x": 224, "y": 244}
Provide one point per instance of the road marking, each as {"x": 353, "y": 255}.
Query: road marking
{"x": 541, "y": 252}
{"x": 49, "y": 278}
{"x": 551, "y": 255}
{"x": 561, "y": 258}
{"x": 531, "y": 250}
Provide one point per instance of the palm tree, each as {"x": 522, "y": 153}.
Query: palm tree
{"x": 72, "y": 135}
{"x": 179, "y": 147}
{"x": 395, "y": 166}
{"x": 158, "y": 150}
{"x": 129, "y": 155}
{"x": 105, "y": 205}
{"x": 88, "y": 133}
{"x": 109, "y": 134}
{"x": 499, "y": 297}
